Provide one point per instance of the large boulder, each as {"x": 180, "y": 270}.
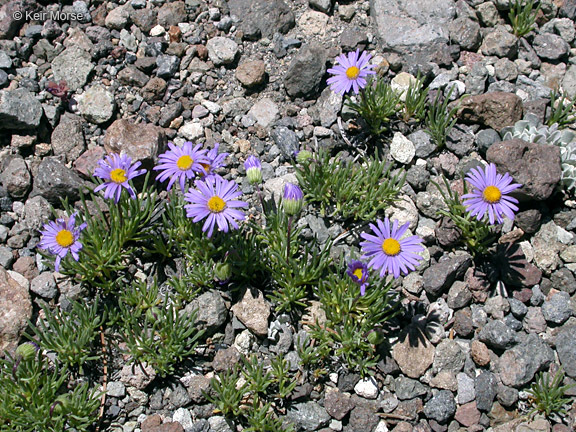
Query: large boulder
{"x": 15, "y": 311}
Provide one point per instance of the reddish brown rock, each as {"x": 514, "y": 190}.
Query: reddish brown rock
{"x": 26, "y": 266}
{"x": 495, "y": 110}
{"x": 88, "y": 162}
{"x": 251, "y": 73}
{"x": 480, "y": 353}
{"x": 154, "y": 423}
{"x": 535, "y": 166}
{"x": 253, "y": 311}
{"x": 337, "y": 404}
{"x": 468, "y": 415}
{"x": 154, "y": 89}
{"x": 142, "y": 142}
{"x": 414, "y": 354}
{"x": 15, "y": 311}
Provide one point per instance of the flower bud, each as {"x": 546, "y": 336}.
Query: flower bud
{"x": 293, "y": 199}
{"x": 303, "y": 156}
{"x": 27, "y": 350}
{"x": 253, "y": 170}
{"x": 376, "y": 337}
{"x": 222, "y": 271}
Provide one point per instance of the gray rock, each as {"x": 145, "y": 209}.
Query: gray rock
{"x": 476, "y": 79}
{"x": 459, "y": 295}
{"x": 549, "y": 46}
{"x": 308, "y": 416}
{"x": 460, "y": 140}
{"x": 211, "y": 311}
{"x": 68, "y": 138}
{"x": 517, "y": 308}
{"x": 262, "y": 18}
{"x": 44, "y": 285}
{"x": 37, "y": 212}
{"x": 534, "y": 321}
{"x": 172, "y": 13}
{"x": 564, "y": 280}
{"x": 286, "y": 140}
{"x": 406, "y": 388}
{"x": 566, "y": 349}
{"x": 486, "y": 386}
{"x": 488, "y": 14}
{"x": 353, "y": 38}
{"x": 536, "y": 89}
{"x": 517, "y": 158}
{"x": 418, "y": 177}
{"x": 15, "y": 311}
{"x": 449, "y": 357}
{"x": 505, "y": 69}
{"x": 499, "y": 42}
{"x": 422, "y": 143}
{"x": 253, "y": 311}
{"x": 55, "y": 181}
{"x": 116, "y": 389}
{"x": 466, "y": 390}
{"x": 519, "y": 364}
{"x": 5, "y": 60}
{"x": 221, "y": 50}
{"x": 179, "y": 397}
{"x": 558, "y": 309}
{"x": 264, "y": 112}
{"x": 362, "y": 419}
{"x": 321, "y": 5}
{"x": 498, "y": 335}
{"x": 466, "y": 33}
{"x": 16, "y": 178}
{"x": 441, "y": 407}
{"x": 19, "y": 110}
{"x": 337, "y": 404}
{"x": 507, "y": 396}
{"x": 327, "y": 107}
{"x": 220, "y": 424}
{"x": 97, "y": 105}
{"x": 6, "y": 257}
{"x": 485, "y": 138}
{"x": 133, "y": 77}
{"x": 441, "y": 275}
{"x": 306, "y": 71}
{"x": 168, "y": 65}
{"x": 569, "y": 82}
{"x": 74, "y": 66}
{"x": 118, "y": 17}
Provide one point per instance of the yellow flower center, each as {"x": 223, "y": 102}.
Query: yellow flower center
{"x": 358, "y": 273}
{"x": 64, "y": 238}
{"x": 391, "y": 247}
{"x": 492, "y": 194}
{"x": 216, "y": 204}
{"x": 352, "y": 72}
{"x": 118, "y": 175}
{"x": 184, "y": 162}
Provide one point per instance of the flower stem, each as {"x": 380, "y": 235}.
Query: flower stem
{"x": 288, "y": 236}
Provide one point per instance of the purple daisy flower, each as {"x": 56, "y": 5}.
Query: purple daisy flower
{"x": 181, "y": 163}
{"x": 388, "y": 251}
{"x": 253, "y": 169}
{"x": 351, "y": 72}
{"x": 216, "y": 201}
{"x": 293, "y": 198}
{"x": 358, "y": 271}
{"x": 489, "y": 194}
{"x": 214, "y": 161}
{"x": 117, "y": 171}
{"x": 61, "y": 236}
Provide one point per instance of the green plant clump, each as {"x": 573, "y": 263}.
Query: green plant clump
{"x": 439, "y": 119}
{"x": 548, "y": 396}
{"x": 522, "y": 16}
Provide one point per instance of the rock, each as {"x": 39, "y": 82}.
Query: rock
{"x": 495, "y": 110}
{"x": 416, "y": 31}
{"x": 16, "y": 178}
{"x": 15, "y": 311}
{"x": 486, "y": 388}
{"x": 313, "y": 23}
{"x": 262, "y": 18}
{"x": 528, "y": 220}
{"x": 413, "y": 353}
{"x": 192, "y": 131}
{"x": 221, "y": 50}
{"x": 172, "y": 14}
{"x": 500, "y": 43}
{"x": 558, "y": 309}
{"x": 97, "y": 105}
{"x": 566, "y": 349}
{"x": 569, "y": 82}
{"x": 220, "y": 424}
{"x": 406, "y": 388}
{"x": 497, "y": 335}
{"x": 19, "y": 110}
{"x": 168, "y": 65}
{"x": 306, "y": 70}
{"x": 441, "y": 407}
{"x": 68, "y": 138}
{"x": 142, "y": 142}
{"x": 154, "y": 89}
{"x": 44, "y": 285}
{"x": 286, "y": 140}
{"x": 132, "y": 76}
{"x": 463, "y": 325}
{"x": 118, "y": 17}
{"x": 74, "y": 66}
{"x": 468, "y": 414}
{"x": 549, "y": 46}
{"x": 547, "y": 247}
{"x": 466, "y": 33}
{"x": 55, "y": 181}
{"x": 226, "y": 359}
{"x": 327, "y": 107}
{"x": 459, "y": 295}
{"x": 211, "y": 311}
{"x": 308, "y": 416}
{"x": 252, "y": 73}
{"x": 367, "y": 388}
{"x": 264, "y": 112}
{"x": 321, "y": 5}
{"x": 253, "y": 311}
{"x": 12, "y": 16}
{"x": 535, "y": 166}
{"x": 449, "y": 356}
{"x": 441, "y": 275}
{"x": 519, "y": 364}
{"x": 337, "y": 403}
{"x": 402, "y": 149}
{"x": 466, "y": 391}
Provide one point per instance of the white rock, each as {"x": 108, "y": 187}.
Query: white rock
{"x": 192, "y": 131}
{"x": 402, "y": 149}
{"x": 244, "y": 342}
{"x": 222, "y": 50}
{"x": 219, "y": 424}
{"x": 400, "y": 84}
{"x": 335, "y": 425}
{"x": 404, "y": 210}
{"x": 313, "y": 23}
{"x": 157, "y": 30}
{"x": 213, "y": 107}
{"x": 264, "y": 112}
{"x": 322, "y": 132}
{"x": 97, "y": 105}
{"x": 182, "y": 416}
{"x": 381, "y": 427}
{"x": 528, "y": 250}
{"x": 564, "y": 236}
{"x": 367, "y": 388}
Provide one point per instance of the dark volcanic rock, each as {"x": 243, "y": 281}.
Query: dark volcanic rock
{"x": 19, "y": 109}
{"x": 441, "y": 407}
{"x": 55, "y": 181}
{"x": 306, "y": 71}
{"x": 262, "y": 18}
{"x": 535, "y": 166}
{"x": 442, "y": 275}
